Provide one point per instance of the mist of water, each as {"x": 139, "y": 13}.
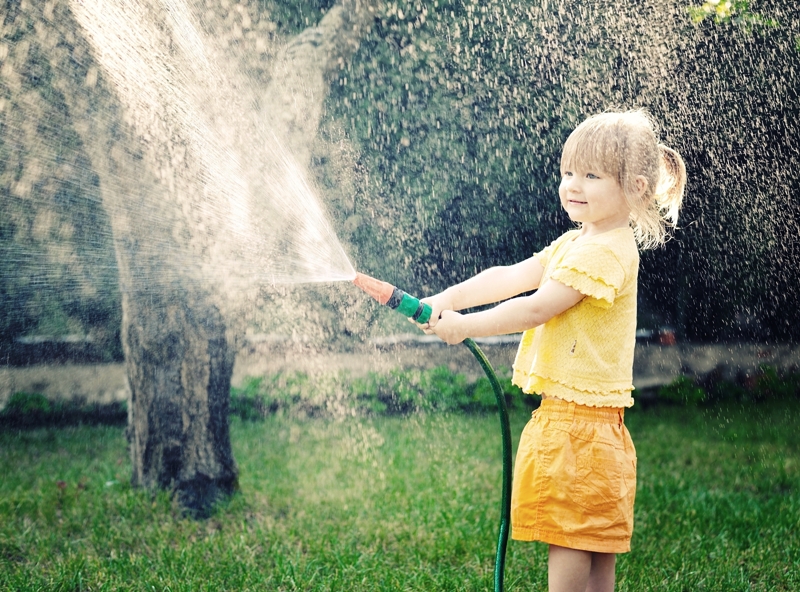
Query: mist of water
{"x": 258, "y": 212}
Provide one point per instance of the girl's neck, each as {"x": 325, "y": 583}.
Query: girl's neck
{"x": 588, "y": 230}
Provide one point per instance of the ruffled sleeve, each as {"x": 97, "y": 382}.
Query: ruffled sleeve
{"x": 593, "y": 270}
{"x": 546, "y": 254}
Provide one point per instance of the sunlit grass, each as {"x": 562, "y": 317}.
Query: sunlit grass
{"x": 396, "y": 504}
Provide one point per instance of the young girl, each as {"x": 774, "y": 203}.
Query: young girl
{"x": 575, "y": 470}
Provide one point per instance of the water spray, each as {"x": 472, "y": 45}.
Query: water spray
{"x": 411, "y": 307}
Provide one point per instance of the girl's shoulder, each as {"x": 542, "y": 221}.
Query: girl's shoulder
{"x": 601, "y": 255}
{"x": 569, "y": 237}
{"x": 599, "y": 266}
{"x": 620, "y": 241}
{"x": 559, "y": 245}
{"x": 618, "y": 245}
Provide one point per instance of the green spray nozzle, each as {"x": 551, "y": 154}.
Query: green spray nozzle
{"x": 385, "y": 293}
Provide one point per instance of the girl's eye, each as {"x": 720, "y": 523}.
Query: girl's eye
{"x": 591, "y": 176}
{"x": 567, "y": 174}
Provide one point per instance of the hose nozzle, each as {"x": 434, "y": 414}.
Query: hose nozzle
{"x": 395, "y": 298}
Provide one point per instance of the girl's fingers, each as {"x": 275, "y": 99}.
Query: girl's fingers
{"x": 424, "y": 327}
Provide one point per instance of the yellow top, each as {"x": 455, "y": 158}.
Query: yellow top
{"x": 585, "y": 354}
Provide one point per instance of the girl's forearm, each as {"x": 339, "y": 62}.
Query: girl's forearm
{"x": 520, "y": 314}
{"x": 512, "y": 316}
{"x": 493, "y": 285}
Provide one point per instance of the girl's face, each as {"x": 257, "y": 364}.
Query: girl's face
{"x": 595, "y": 199}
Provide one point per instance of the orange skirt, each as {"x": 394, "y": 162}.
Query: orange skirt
{"x": 575, "y": 479}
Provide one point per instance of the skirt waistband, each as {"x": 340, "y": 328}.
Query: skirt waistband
{"x": 559, "y": 410}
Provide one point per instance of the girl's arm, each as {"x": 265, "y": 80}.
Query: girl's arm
{"x": 511, "y": 316}
{"x": 492, "y": 285}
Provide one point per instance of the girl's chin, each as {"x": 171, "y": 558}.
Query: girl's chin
{"x": 574, "y": 212}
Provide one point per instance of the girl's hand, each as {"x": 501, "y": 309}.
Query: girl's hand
{"x": 450, "y": 328}
{"x": 438, "y": 303}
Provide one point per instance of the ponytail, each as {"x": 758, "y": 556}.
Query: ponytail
{"x": 671, "y": 183}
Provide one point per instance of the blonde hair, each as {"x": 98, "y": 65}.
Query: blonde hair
{"x": 624, "y": 145}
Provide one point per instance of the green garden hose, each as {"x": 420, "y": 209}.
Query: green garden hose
{"x": 412, "y": 308}
{"x": 505, "y": 428}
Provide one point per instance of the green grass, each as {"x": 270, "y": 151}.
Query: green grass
{"x": 405, "y": 503}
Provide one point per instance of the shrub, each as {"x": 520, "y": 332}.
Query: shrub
{"x": 769, "y": 383}
{"x": 483, "y": 393}
{"x": 683, "y": 391}
{"x": 724, "y": 390}
{"x": 398, "y": 392}
{"x": 29, "y": 410}
{"x": 30, "y": 404}
{"x": 407, "y": 391}
{"x": 265, "y": 395}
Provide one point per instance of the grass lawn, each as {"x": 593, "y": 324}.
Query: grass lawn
{"x": 396, "y": 504}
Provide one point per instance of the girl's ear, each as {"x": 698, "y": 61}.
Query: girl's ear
{"x": 640, "y": 182}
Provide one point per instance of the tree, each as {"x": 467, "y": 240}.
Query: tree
{"x": 145, "y": 141}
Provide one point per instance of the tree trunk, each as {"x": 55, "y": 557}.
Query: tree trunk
{"x": 179, "y": 364}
